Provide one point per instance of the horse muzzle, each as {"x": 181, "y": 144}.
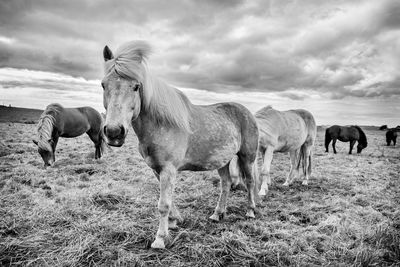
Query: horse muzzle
{"x": 115, "y": 135}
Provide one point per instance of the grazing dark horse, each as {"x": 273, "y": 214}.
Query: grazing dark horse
{"x": 57, "y": 121}
{"x": 175, "y": 135}
{"x": 391, "y": 135}
{"x": 345, "y": 134}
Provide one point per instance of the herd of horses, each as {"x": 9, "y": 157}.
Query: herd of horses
{"x": 176, "y": 135}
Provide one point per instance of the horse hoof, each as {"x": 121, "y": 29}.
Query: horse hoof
{"x": 214, "y": 217}
{"x": 158, "y": 243}
{"x": 172, "y": 224}
{"x": 262, "y": 193}
{"x": 217, "y": 217}
{"x": 305, "y": 182}
{"x": 286, "y": 184}
{"x": 250, "y": 214}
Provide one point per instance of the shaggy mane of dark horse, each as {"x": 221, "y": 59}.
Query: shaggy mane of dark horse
{"x": 345, "y": 134}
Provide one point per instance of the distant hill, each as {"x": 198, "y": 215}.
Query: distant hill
{"x": 23, "y": 115}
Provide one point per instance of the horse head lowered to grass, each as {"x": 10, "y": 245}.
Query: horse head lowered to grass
{"x": 57, "y": 121}
{"x": 350, "y": 134}
{"x": 175, "y": 135}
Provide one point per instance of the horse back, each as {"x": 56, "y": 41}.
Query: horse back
{"x": 94, "y": 118}
{"x": 73, "y": 122}
{"x": 343, "y": 133}
{"x": 219, "y": 132}
{"x": 283, "y": 130}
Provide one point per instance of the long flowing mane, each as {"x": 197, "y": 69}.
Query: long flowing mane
{"x": 363, "y": 137}
{"x": 164, "y": 103}
{"x": 46, "y": 124}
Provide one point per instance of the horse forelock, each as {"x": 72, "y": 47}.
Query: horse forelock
{"x": 45, "y": 130}
{"x": 165, "y": 104}
{"x": 129, "y": 59}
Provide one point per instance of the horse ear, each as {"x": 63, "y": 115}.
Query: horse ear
{"x": 107, "y": 54}
{"x": 35, "y": 142}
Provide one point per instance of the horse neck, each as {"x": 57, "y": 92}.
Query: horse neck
{"x": 165, "y": 105}
{"x": 363, "y": 138}
{"x": 144, "y": 125}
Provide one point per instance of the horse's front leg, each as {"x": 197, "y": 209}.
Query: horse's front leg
{"x": 167, "y": 182}
{"x": 226, "y": 182}
{"x": 174, "y": 216}
{"x": 54, "y": 145}
{"x": 265, "y": 171}
{"x": 351, "y": 146}
{"x": 334, "y": 145}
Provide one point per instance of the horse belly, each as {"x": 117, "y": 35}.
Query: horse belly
{"x": 212, "y": 145}
{"x": 208, "y": 158}
{"x": 289, "y": 143}
{"x": 291, "y": 139}
{"x": 76, "y": 127}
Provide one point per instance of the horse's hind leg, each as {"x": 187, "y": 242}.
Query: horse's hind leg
{"x": 265, "y": 171}
{"x": 247, "y": 167}
{"x": 293, "y": 166}
{"x": 174, "y": 216}
{"x": 307, "y": 164}
{"x": 96, "y": 139}
{"x": 226, "y": 182}
{"x": 394, "y": 141}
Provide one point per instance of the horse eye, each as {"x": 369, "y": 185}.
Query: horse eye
{"x": 136, "y": 87}
{"x": 102, "y": 85}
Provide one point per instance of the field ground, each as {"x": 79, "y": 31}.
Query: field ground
{"x": 88, "y": 212}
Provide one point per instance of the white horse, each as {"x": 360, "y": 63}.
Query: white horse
{"x": 292, "y": 131}
{"x": 175, "y": 135}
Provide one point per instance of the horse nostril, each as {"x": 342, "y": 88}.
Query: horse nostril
{"x": 122, "y": 130}
{"x": 105, "y": 130}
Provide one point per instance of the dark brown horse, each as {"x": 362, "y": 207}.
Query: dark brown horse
{"x": 391, "y": 136}
{"x": 57, "y": 121}
{"x": 345, "y": 134}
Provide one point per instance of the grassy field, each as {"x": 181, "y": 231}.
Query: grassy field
{"x": 88, "y": 212}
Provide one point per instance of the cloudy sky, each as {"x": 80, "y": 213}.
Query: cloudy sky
{"x": 340, "y": 59}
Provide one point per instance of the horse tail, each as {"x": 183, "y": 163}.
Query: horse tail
{"x": 235, "y": 171}
{"x": 302, "y": 158}
{"x": 309, "y": 163}
{"x": 237, "y": 174}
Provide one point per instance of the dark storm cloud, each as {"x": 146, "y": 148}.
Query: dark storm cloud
{"x": 335, "y": 48}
